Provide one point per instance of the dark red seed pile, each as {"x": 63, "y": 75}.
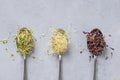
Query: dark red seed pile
{"x": 95, "y": 42}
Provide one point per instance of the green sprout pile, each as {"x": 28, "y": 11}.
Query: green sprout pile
{"x": 24, "y": 41}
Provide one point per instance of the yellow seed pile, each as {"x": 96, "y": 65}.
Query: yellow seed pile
{"x": 59, "y": 41}
{"x": 24, "y": 41}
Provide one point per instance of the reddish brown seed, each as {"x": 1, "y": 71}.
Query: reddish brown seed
{"x": 81, "y": 52}
{"x": 111, "y": 48}
{"x": 106, "y": 57}
{"x": 85, "y": 32}
{"x": 111, "y": 54}
{"x": 109, "y": 35}
{"x": 90, "y": 58}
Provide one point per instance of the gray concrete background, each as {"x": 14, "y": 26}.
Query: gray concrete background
{"x": 74, "y": 16}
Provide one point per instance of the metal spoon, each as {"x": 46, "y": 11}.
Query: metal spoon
{"x": 59, "y": 45}
{"x": 95, "y": 64}
{"x": 96, "y": 45}
{"x": 25, "y": 68}
{"x": 60, "y": 61}
{"x": 25, "y": 44}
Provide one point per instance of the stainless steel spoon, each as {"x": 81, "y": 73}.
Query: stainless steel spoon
{"x": 25, "y": 44}
{"x": 95, "y": 64}
{"x": 96, "y": 45}
{"x": 59, "y": 46}
{"x": 60, "y": 67}
{"x": 25, "y": 68}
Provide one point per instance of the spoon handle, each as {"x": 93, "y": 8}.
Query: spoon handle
{"x": 95, "y": 63}
{"x": 60, "y": 61}
{"x": 25, "y": 69}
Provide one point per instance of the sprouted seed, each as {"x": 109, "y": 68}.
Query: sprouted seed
{"x": 24, "y": 41}
{"x": 35, "y": 39}
{"x": 106, "y": 57}
{"x": 109, "y": 35}
{"x": 59, "y": 41}
{"x": 4, "y": 41}
{"x": 81, "y": 52}
{"x": 12, "y": 55}
{"x": 33, "y": 57}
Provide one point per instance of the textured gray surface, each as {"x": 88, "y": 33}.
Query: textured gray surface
{"x": 74, "y": 16}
